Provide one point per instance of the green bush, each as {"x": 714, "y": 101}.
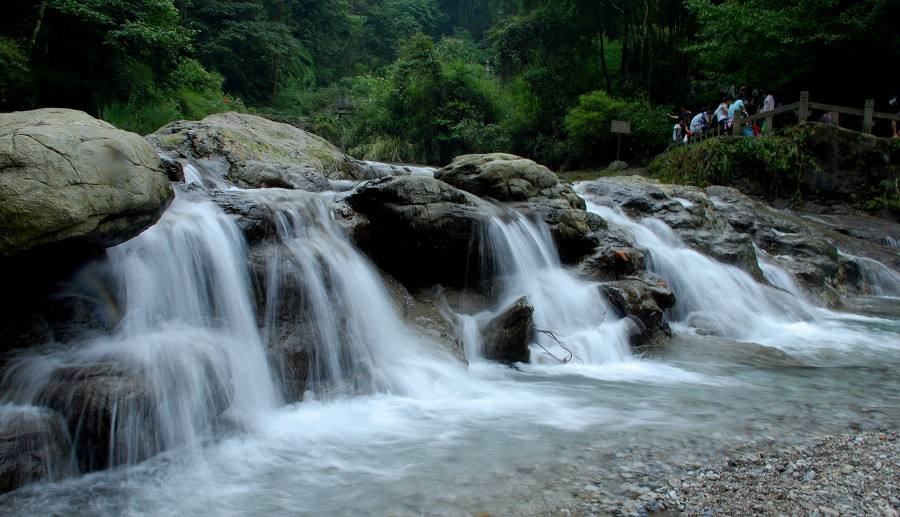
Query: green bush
{"x": 190, "y": 92}
{"x": 775, "y": 161}
{"x": 14, "y": 75}
{"x": 588, "y": 128}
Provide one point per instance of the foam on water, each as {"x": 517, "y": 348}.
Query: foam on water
{"x": 524, "y": 260}
{"x": 726, "y": 301}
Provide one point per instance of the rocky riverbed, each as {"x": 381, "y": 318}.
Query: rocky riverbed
{"x": 853, "y": 473}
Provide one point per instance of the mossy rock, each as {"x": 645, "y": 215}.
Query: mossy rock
{"x": 68, "y": 179}
{"x": 257, "y": 152}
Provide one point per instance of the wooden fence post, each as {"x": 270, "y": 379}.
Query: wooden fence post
{"x": 736, "y": 123}
{"x": 804, "y": 107}
{"x": 868, "y": 113}
{"x": 835, "y": 118}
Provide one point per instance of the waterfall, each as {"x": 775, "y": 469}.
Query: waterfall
{"x": 878, "y": 279}
{"x": 522, "y": 258}
{"x": 185, "y": 353}
{"x": 356, "y": 341}
{"x": 776, "y": 275}
{"x": 724, "y": 300}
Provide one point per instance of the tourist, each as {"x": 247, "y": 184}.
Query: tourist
{"x": 767, "y": 105}
{"x": 700, "y": 122}
{"x": 722, "y": 113}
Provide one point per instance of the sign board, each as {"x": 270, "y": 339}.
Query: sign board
{"x": 621, "y": 127}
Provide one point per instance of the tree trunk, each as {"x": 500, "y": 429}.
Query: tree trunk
{"x": 603, "y": 61}
{"x": 37, "y": 27}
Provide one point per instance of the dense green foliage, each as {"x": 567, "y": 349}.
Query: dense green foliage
{"x": 423, "y": 80}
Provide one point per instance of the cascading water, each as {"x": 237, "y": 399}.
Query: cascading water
{"x": 185, "y": 351}
{"x": 359, "y": 343}
{"x": 723, "y": 300}
{"x": 878, "y": 278}
{"x": 521, "y": 256}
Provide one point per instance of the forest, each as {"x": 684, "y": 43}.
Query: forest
{"x": 425, "y": 80}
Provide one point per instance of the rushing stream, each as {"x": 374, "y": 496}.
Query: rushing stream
{"x": 392, "y": 424}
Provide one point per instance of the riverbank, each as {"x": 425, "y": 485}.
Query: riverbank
{"x": 852, "y": 473}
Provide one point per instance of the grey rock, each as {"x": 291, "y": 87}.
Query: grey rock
{"x": 34, "y": 446}
{"x": 255, "y": 152}
{"x": 110, "y": 413}
{"x": 68, "y": 179}
{"x": 507, "y": 335}
{"x": 420, "y": 229}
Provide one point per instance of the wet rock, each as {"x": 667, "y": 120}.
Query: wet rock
{"x": 68, "y": 179}
{"x": 174, "y": 169}
{"x": 725, "y": 224}
{"x": 574, "y": 230}
{"x": 255, "y": 152}
{"x": 255, "y": 219}
{"x": 34, "y": 446}
{"x": 109, "y": 410}
{"x": 281, "y": 308}
{"x": 420, "y": 229}
{"x": 616, "y": 256}
{"x": 507, "y": 336}
{"x": 643, "y": 299}
{"x": 422, "y": 310}
{"x": 529, "y": 186}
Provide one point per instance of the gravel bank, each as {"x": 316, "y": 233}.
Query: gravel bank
{"x": 843, "y": 474}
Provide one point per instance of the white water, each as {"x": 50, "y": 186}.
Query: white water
{"x": 723, "y": 300}
{"x": 776, "y": 275}
{"x": 394, "y": 425}
{"x": 359, "y": 342}
{"x": 524, "y": 260}
{"x": 879, "y": 279}
{"x": 186, "y": 330}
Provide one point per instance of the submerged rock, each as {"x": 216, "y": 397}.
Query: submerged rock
{"x": 68, "y": 179}
{"x": 255, "y": 152}
{"x": 507, "y": 336}
{"x": 34, "y": 446}
{"x": 110, "y": 412}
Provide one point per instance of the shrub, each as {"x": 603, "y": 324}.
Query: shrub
{"x": 775, "y": 162}
{"x": 588, "y": 128}
{"x": 190, "y": 92}
{"x": 15, "y": 77}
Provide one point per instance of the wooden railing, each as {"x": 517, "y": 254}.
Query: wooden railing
{"x": 804, "y": 108}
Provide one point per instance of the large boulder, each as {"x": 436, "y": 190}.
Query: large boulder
{"x": 69, "y": 179}
{"x": 420, "y": 230}
{"x": 34, "y": 446}
{"x": 255, "y": 152}
{"x": 506, "y": 336}
{"x": 527, "y": 185}
{"x": 506, "y": 177}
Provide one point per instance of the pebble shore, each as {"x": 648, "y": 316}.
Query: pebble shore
{"x": 841, "y": 474}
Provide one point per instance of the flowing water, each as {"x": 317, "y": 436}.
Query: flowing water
{"x": 395, "y": 425}
{"x": 574, "y": 321}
